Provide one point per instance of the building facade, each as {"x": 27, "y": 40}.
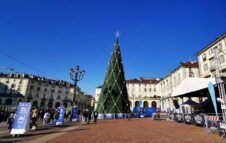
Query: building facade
{"x": 153, "y": 91}
{"x": 141, "y": 89}
{"x": 173, "y": 79}
{"x": 144, "y": 90}
{"x": 42, "y": 92}
{"x": 149, "y": 90}
{"x": 206, "y": 58}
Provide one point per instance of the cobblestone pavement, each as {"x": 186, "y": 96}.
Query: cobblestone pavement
{"x": 41, "y": 131}
{"x": 137, "y": 131}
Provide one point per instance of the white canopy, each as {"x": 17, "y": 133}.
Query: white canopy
{"x": 192, "y": 84}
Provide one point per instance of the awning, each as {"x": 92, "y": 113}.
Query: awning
{"x": 191, "y": 85}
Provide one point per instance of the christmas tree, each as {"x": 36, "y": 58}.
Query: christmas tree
{"x": 114, "y": 97}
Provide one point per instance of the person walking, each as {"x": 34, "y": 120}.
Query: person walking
{"x": 46, "y": 118}
{"x": 34, "y": 116}
{"x": 85, "y": 115}
{"x": 10, "y": 121}
{"x": 95, "y": 115}
{"x": 89, "y": 115}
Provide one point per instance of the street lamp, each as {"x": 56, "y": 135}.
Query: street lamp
{"x": 76, "y": 75}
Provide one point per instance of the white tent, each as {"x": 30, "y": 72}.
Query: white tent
{"x": 192, "y": 84}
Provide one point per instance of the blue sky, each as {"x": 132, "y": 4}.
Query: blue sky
{"x": 53, "y": 36}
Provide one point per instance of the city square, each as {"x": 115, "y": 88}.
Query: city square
{"x": 67, "y": 74}
{"x": 123, "y": 130}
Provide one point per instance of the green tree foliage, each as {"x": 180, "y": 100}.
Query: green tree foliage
{"x": 114, "y": 97}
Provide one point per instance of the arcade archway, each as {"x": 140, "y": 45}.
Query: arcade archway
{"x": 136, "y": 103}
{"x": 145, "y": 104}
{"x": 9, "y": 101}
{"x": 153, "y": 104}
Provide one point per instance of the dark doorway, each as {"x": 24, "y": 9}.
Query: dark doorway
{"x": 57, "y": 104}
{"x": 136, "y": 103}
{"x": 9, "y": 101}
{"x": 153, "y": 104}
{"x": 145, "y": 104}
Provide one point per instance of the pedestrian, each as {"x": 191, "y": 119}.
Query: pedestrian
{"x": 80, "y": 116}
{"x": 34, "y": 117}
{"x": 10, "y": 121}
{"x": 95, "y": 115}
{"x": 129, "y": 114}
{"x": 51, "y": 116}
{"x": 89, "y": 115}
{"x": 66, "y": 114}
{"x": 85, "y": 115}
{"x": 56, "y": 115}
{"x": 46, "y": 118}
{"x": 1, "y": 117}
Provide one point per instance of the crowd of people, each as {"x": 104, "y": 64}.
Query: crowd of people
{"x": 50, "y": 117}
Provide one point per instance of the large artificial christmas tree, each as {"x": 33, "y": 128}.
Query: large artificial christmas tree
{"x": 114, "y": 97}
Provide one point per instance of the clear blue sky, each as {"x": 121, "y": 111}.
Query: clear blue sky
{"x": 53, "y": 36}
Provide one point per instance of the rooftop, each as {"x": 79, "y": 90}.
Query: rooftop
{"x": 37, "y": 78}
{"x": 192, "y": 64}
{"x": 144, "y": 80}
{"x": 212, "y": 43}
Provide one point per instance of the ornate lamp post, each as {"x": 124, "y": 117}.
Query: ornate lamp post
{"x": 76, "y": 75}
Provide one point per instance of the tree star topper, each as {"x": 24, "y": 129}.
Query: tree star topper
{"x": 117, "y": 34}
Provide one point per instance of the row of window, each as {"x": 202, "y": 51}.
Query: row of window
{"x": 44, "y": 96}
{"x": 212, "y": 63}
{"x": 45, "y": 90}
{"x": 212, "y": 51}
{"x": 145, "y": 89}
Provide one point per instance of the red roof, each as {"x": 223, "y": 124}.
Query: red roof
{"x": 192, "y": 64}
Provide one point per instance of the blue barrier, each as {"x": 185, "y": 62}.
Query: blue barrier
{"x": 109, "y": 116}
{"x": 119, "y": 116}
{"x": 149, "y": 111}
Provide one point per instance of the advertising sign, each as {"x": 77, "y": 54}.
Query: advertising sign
{"x": 74, "y": 114}
{"x": 188, "y": 118}
{"x": 179, "y": 117}
{"x": 61, "y": 116}
{"x": 199, "y": 119}
{"x": 22, "y": 118}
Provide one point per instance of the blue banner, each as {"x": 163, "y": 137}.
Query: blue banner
{"x": 22, "y": 118}
{"x": 74, "y": 114}
{"x": 136, "y": 110}
{"x": 61, "y": 115}
{"x": 213, "y": 96}
{"x": 163, "y": 103}
{"x": 149, "y": 111}
{"x": 140, "y": 104}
